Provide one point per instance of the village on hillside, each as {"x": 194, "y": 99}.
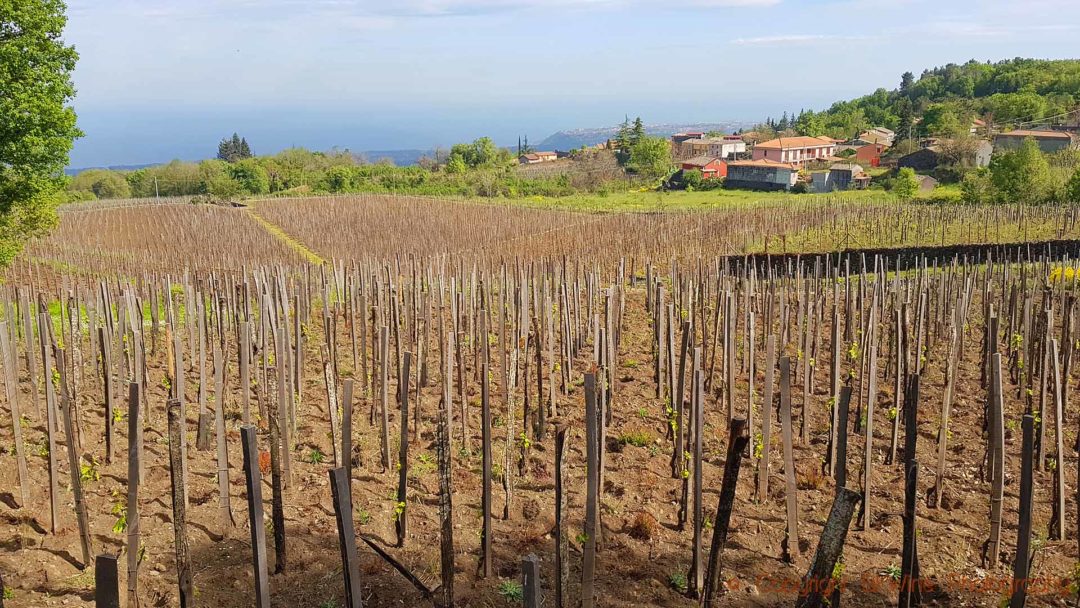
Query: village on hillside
{"x": 799, "y": 163}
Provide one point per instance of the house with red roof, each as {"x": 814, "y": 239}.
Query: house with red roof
{"x": 710, "y": 167}
{"x": 795, "y": 150}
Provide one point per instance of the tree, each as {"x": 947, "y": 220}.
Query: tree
{"x": 906, "y": 118}
{"x": 1022, "y": 175}
{"x": 37, "y": 124}
{"x": 906, "y": 184}
{"x": 976, "y": 187}
{"x": 907, "y": 79}
{"x": 1072, "y": 188}
{"x": 250, "y": 176}
{"x": 650, "y": 157}
{"x": 637, "y": 133}
{"x": 481, "y": 152}
{"x": 232, "y": 149}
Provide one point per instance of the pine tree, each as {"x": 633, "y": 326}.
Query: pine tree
{"x": 638, "y": 132}
{"x": 225, "y": 150}
{"x": 906, "y": 81}
{"x": 245, "y": 149}
{"x": 622, "y": 142}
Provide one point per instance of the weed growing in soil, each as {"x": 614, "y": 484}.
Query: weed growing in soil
{"x": 512, "y": 591}
{"x": 636, "y": 438}
{"x": 677, "y": 581}
{"x": 315, "y": 456}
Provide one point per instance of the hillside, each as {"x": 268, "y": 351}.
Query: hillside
{"x": 942, "y": 101}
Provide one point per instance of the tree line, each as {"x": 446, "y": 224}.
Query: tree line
{"x": 942, "y": 101}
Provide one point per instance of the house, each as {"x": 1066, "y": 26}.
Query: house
{"x": 978, "y": 126}
{"x": 761, "y": 174}
{"x": 873, "y": 136}
{"x": 716, "y": 147}
{"x": 533, "y": 158}
{"x": 952, "y": 152}
{"x": 843, "y": 176}
{"x": 847, "y": 176}
{"x": 710, "y": 166}
{"x": 1048, "y": 141}
{"x": 795, "y": 150}
{"x": 870, "y": 154}
{"x": 925, "y": 159}
{"x": 926, "y": 183}
{"x": 679, "y": 138}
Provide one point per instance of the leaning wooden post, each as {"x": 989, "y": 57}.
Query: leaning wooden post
{"x": 530, "y": 580}
{"x": 133, "y": 496}
{"x": 253, "y": 480}
{"x": 562, "y": 541}
{"x": 73, "y": 458}
{"x": 106, "y": 582}
{"x": 1022, "y": 560}
{"x": 791, "y": 533}
{"x": 224, "y": 505}
{"x": 350, "y": 561}
{"x": 176, "y": 472}
{"x": 830, "y": 546}
{"x": 51, "y": 424}
{"x": 7, "y": 353}
{"x": 738, "y": 439}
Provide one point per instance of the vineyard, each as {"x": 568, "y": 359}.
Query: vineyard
{"x": 400, "y": 401}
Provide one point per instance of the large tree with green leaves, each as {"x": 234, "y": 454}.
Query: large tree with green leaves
{"x": 37, "y": 124}
{"x": 650, "y": 157}
{"x": 906, "y": 184}
{"x": 1022, "y": 175}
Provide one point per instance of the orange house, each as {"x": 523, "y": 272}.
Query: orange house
{"x": 870, "y": 154}
{"x": 711, "y": 168}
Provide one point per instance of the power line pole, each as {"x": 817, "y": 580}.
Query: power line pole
{"x": 157, "y": 193}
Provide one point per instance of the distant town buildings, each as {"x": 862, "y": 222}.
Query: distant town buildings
{"x": 726, "y": 146}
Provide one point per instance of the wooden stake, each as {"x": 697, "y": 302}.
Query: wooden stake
{"x": 790, "y": 548}
{"x": 176, "y": 471}
{"x": 256, "y": 518}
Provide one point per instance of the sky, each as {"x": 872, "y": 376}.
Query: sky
{"x": 164, "y": 79}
